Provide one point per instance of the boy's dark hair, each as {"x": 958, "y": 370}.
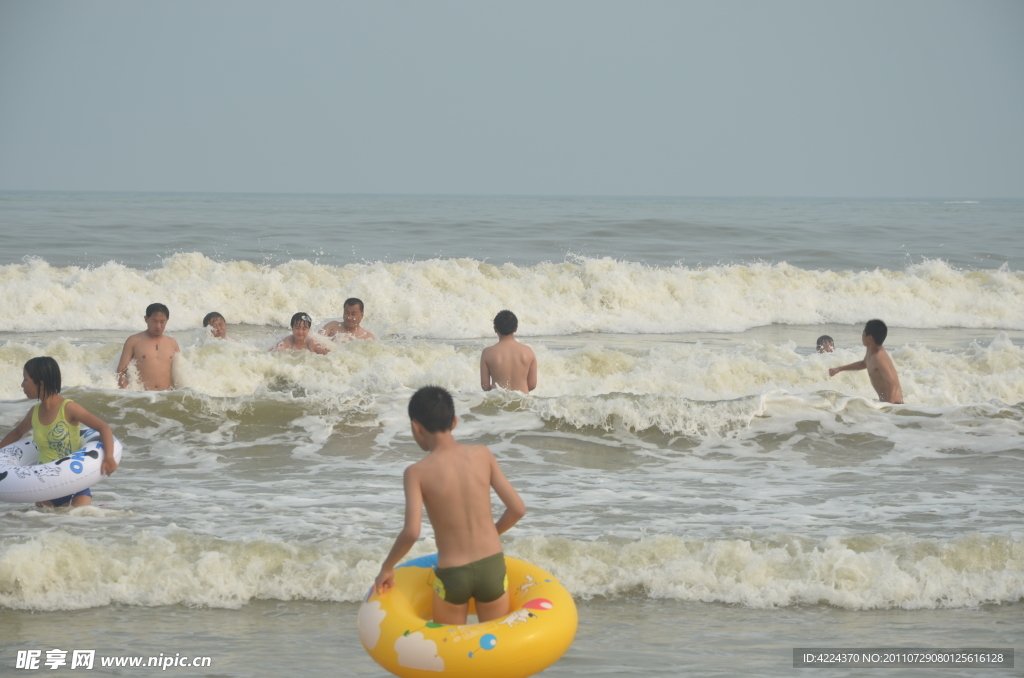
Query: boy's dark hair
{"x": 303, "y": 317}
{"x": 352, "y": 301}
{"x": 825, "y": 339}
{"x": 157, "y": 308}
{"x": 210, "y": 316}
{"x": 877, "y": 330}
{"x": 433, "y": 408}
{"x": 45, "y": 373}
{"x": 506, "y": 323}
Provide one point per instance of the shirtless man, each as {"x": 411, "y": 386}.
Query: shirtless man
{"x": 349, "y": 328}
{"x": 877, "y": 362}
{"x": 299, "y": 340}
{"x": 218, "y": 326}
{"x": 455, "y": 481}
{"x": 508, "y": 364}
{"x": 151, "y": 352}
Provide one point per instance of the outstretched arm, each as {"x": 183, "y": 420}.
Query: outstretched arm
{"x": 409, "y": 534}
{"x": 19, "y": 431}
{"x": 859, "y": 365}
{"x": 79, "y": 415}
{"x": 514, "y": 506}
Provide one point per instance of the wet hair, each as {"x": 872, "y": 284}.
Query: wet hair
{"x": 506, "y": 323}
{"x": 210, "y": 316}
{"x": 45, "y": 373}
{"x": 433, "y": 408}
{"x": 157, "y": 308}
{"x": 825, "y": 339}
{"x": 352, "y": 301}
{"x": 877, "y": 330}
{"x": 301, "y": 317}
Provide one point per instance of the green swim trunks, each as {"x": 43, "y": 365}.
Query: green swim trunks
{"x": 485, "y": 581}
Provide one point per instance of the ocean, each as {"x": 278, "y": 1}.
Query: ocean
{"x": 710, "y": 497}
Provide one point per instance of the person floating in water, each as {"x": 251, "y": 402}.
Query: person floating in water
{"x": 218, "y": 326}
{"x": 454, "y": 481}
{"x": 55, "y": 422}
{"x": 299, "y": 339}
{"x": 350, "y": 327}
{"x": 825, "y": 344}
{"x": 508, "y": 364}
{"x": 877, "y": 362}
{"x": 151, "y": 352}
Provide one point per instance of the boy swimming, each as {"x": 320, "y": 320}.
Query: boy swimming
{"x": 350, "y": 327}
{"x": 218, "y": 326}
{"x": 877, "y": 362}
{"x": 508, "y": 364}
{"x": 152, "y": 352}
{"x": 454, "y": 481}
{"x": 299, "y": 340}
{"x": 59, "y": 437}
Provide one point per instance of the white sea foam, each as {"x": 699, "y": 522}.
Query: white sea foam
{"x": 457, "y": 298}
{"x": 688, "y": 388}
{"x": 60, "y": 571}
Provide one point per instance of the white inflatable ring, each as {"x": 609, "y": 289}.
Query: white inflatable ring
{"x": 24, "y": 480}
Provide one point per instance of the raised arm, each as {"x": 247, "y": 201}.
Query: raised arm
{"x": 859, "y": 365}
{"x": 19, "y": 431}
{"x": 409, "y": 534}
{"x": 79, "y": 415}
{"x": 514, "y": 506}
{"x": 126, "y": 357}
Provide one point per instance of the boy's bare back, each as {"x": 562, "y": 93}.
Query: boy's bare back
{"x": 153, "y": 357}
{"x": 509, "y": 365}
{"x": 454, "y": 482}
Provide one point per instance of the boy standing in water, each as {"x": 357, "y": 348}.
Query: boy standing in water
{"x": 152, "y": 352}
{"x": 350, "y": 327}
{"x": 508, "y": 364}
{"x": 60, "y": 436}
{"x": 877, "y": 362}
{"x": 454, "y": 481}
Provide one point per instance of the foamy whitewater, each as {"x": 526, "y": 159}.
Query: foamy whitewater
{"x": 691, "y": 471}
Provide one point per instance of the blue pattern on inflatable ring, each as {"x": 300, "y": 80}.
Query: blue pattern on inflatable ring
{"x": 423, "y": 561}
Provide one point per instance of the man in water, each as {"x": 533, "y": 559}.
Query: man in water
{"x": 349, "y": 328}
{"x": 218, "y": 326}
{"x": 508, "y": 364}
{"x": 299, "y": 340}
{"x": 454, "y": 481}
{"x": 877, "y": 362}
{"x": 152, "y": 353}
{"x": 825, "y": 344}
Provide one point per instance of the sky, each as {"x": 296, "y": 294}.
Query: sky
{"x": 567, "y": 97}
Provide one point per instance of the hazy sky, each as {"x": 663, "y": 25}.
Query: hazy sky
{"x": 551, "y": 97}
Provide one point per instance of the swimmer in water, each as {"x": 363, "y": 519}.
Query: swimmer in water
{"x": 350, "y": 327}
{"x": 299, "y": 339}
{"x": 508, "y": 364}
{"x": 218, "y": 326}
{"x": 825, "y": 344}
{"x": 877, "y": 362}
{"x": 152, "y": 352}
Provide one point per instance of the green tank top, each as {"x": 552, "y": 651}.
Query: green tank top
{"x": 55, "y": 440}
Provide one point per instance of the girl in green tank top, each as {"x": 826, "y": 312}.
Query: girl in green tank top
{"x": 59, "y": 437}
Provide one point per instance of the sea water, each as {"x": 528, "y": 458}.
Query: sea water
{"x": 707, "y": 493}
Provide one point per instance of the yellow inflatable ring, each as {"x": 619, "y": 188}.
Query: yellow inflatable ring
{"x": 396, "y": 630}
